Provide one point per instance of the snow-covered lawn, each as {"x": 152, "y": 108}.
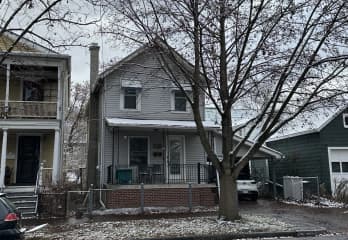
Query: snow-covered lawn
{"x": 324, "y": 203}
{"x": 151, "y": 228}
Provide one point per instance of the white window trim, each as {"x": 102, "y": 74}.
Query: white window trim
{"x": 345, "y": 115}
{"x": 172, "y": 103}
{"x": 138, "y": 99}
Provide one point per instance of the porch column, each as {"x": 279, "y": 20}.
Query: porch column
{"x": 7, "y": 90}
{"x": 3, "y": 158}
{"x": 56, "y": 164}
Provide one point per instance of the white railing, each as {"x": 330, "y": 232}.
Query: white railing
{"x": 32, "y": 109}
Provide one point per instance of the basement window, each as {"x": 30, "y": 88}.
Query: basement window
{"x": 345, "y": 120}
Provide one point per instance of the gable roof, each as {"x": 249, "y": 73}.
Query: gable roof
{"x": 24, "y": 45}
{"x": 159, "y": 43}
{"x": 315, "y": 123}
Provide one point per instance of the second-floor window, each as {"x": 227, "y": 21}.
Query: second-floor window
{"x": 179, "y": 102}
{"x": 131, "y": 98}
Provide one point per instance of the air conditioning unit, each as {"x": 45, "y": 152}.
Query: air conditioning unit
{"x": 293, "y": 188}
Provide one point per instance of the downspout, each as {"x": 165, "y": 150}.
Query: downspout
{"x": 113, "y": 156}
{"x": 102, "y": 170}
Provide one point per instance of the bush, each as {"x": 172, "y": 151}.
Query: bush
{"x": 341, "y": 193}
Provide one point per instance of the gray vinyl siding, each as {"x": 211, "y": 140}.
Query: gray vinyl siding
{"x": 302, "y": 156}
{"x": 194, "y": 150}
{"x": 108, "y": 141}
{"x": 155, "y": 93}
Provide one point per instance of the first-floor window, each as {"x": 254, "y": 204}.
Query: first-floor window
{"x": 138, "y": 152}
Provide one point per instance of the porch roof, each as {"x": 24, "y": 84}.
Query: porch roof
{"x": 161, "y": 124}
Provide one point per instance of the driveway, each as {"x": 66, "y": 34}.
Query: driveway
{"x": 333, "y": 219}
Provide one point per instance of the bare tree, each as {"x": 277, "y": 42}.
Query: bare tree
{"x": 278, "y": 58}
{"x": 53, "y": 23}
{"x": 75, "y": 118}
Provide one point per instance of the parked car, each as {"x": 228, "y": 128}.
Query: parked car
{"x": 247, "y": 189}
{"x": 9, "y": 220}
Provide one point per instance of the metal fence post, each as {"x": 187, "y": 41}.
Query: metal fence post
{"x": 90, "y": 200}
{"x": 199, "y": 172}
{"x": 190, "y": 196}
{"x": 142, "y": 197}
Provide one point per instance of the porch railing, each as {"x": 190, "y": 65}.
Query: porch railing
{"x": 163, "y": 174}
{"x": 29, "y": 109}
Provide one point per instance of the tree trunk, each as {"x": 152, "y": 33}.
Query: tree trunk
{"x": 228, "y": 204}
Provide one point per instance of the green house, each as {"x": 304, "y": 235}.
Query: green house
{"x": 319, "y": 151}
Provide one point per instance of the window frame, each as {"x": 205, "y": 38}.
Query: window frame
{"x": 173, "y": 98}
{"x": 148, "y": 148}
{"x": 345, "y": 116}
{"x": 137, "y": 99}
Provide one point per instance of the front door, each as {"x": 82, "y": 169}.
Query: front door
{"x": 175, "y": 168}
{"x": 28, "y": 159}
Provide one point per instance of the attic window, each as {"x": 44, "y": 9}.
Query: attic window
{"x": 345, "y": 120}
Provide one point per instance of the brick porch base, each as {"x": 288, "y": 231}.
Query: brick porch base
{"x": 161, "y": 196}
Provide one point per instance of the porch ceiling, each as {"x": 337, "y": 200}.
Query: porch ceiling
{"x": 159, "y": 124}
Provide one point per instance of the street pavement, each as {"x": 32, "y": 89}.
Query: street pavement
{"x": 334, "y": 220}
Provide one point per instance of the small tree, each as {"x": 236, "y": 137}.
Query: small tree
{"x": 76, "y": 120}
{"x": 279, "y": 59}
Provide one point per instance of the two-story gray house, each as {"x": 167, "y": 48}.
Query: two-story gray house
{"x": 141, "y": 128}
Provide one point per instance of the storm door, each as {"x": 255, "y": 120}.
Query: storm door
{"x": 175, "y": 166}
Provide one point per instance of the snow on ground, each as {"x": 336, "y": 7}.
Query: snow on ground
{"x": 153, "y": 210}
{"x": 154, "y": 228}
{"x": 324, "y": 203}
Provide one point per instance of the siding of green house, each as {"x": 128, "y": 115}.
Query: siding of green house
{"x": 333, "y": 135}
{"x": 302, "y": 156}
{"x": 307, "y": 155}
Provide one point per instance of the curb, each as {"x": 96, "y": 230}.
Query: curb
{"x": 300, "y": 233}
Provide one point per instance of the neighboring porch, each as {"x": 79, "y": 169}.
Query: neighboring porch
{"x": 23, "y": 151}
{"x": 28, "y": 91}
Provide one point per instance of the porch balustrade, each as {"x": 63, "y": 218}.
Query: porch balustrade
{"x": 163, "y": 174}
{"x": 29, "y": 109}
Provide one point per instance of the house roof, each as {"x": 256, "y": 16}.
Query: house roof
{"x": 23, "y": 46}
{"x": 159, "y": 43}
{"x": 161, "y": 124}
{"x": 263, "y": 148}
{"x": 308, "y": 123}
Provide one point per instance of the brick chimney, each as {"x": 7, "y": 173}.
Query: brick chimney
{"x": 94, "y": 64}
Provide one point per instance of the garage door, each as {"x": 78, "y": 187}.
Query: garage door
{"x": 338, "y": 158}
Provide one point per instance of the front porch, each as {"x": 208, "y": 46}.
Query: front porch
{"x": 22, "y": 153}
{"x": 197, "y": 173}
{"x": 155, "y": 152}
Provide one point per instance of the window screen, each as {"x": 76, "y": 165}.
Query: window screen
{"x": 130, "y": 98}
{"x": 180, "y": 101}
{"x": 138, "y": 152}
